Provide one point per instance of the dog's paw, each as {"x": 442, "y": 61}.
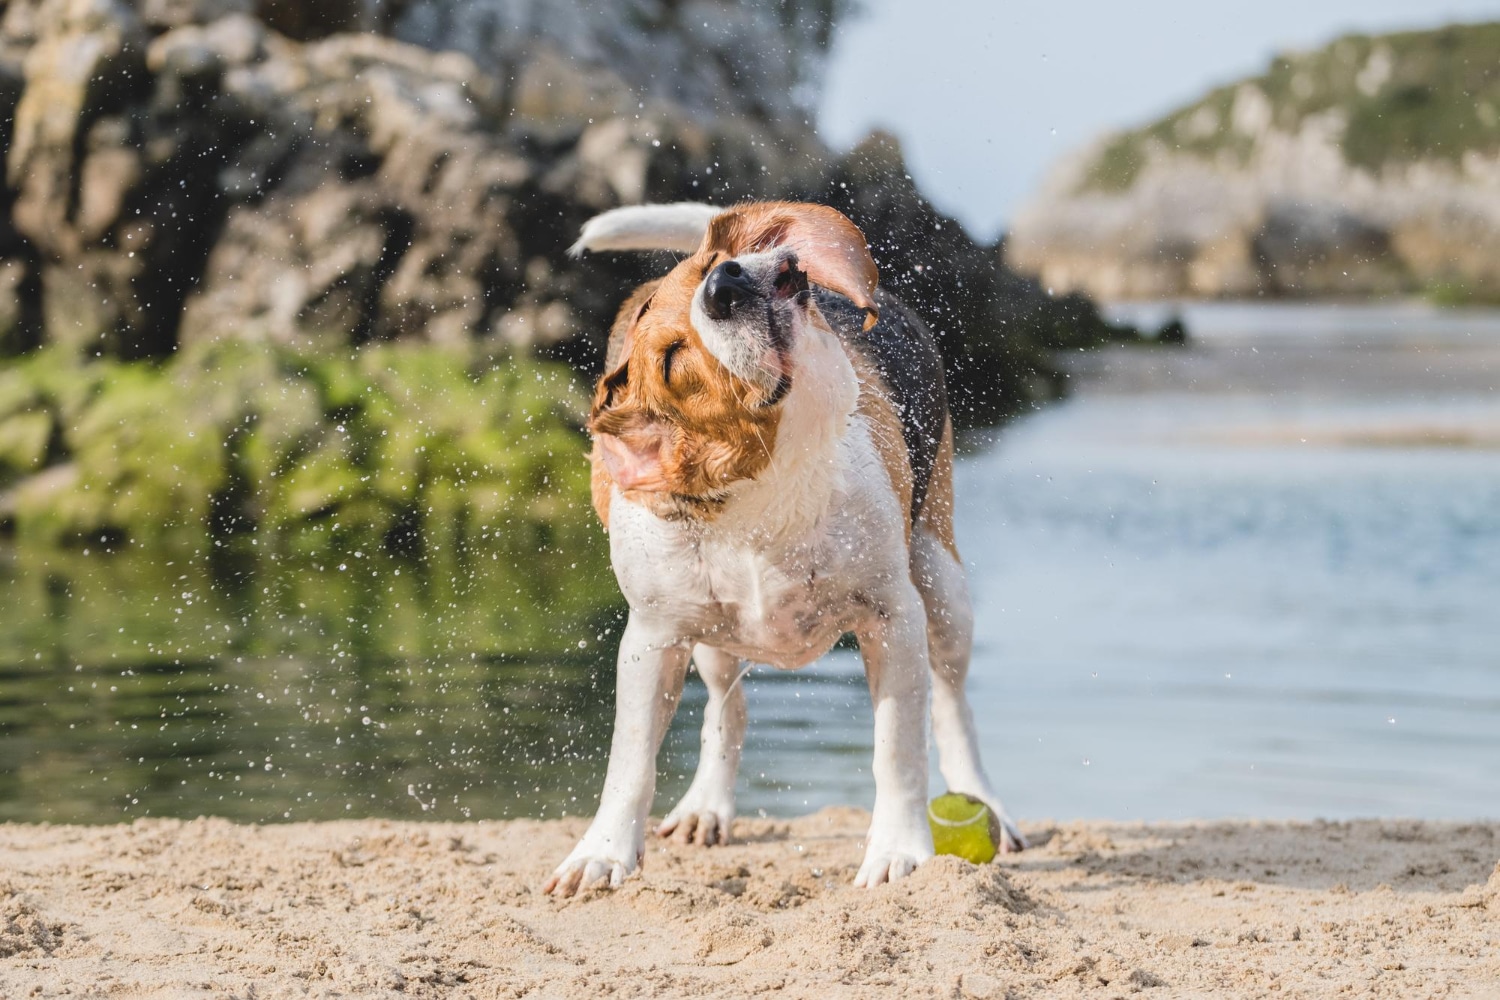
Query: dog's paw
{"x": 894, "y": 851}
{"x": 1011, "y": 839}
{"x": 697, "y": 823}
{"x": 587, "y": 869}
{"x": 882, "y": 866}
{"x": 704, "y": 814}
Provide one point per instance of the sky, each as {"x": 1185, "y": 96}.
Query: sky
{"x": 986, "y": 94}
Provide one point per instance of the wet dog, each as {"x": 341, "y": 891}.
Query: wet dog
{"x": 773, "y": 461}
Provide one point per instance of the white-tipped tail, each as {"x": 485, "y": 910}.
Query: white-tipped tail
{"x": 678, "y": 227}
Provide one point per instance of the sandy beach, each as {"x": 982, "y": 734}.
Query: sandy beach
{"x": 163, "y": 908}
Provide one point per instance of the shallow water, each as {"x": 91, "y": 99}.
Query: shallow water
{"x": 1259, "y": 577}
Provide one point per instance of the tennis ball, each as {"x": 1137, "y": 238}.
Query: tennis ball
{"x": 964, "y": 826}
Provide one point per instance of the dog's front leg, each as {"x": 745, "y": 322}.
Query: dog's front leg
{"x": 648, "y": 679}
{"x": 894, "y": 647}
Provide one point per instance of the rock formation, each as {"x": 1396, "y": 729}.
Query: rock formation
{"x": 180, "y": 171}
{"x": 1369, "y": 167}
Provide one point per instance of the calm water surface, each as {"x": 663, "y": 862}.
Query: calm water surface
{"x": 1260, "y": 577}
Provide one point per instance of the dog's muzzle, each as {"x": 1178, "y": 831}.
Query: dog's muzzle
{"x": 730, "y": 286}
{"x": 726, "y": 287}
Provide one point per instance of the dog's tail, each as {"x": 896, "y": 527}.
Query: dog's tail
{"x": 678, "y": 227}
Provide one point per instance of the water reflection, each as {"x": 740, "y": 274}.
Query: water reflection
{"x": 257, "y": 687}
{"x": 290, "y": 738}
{"x": 294, "y": 738}
{"x": 177, "y": 686}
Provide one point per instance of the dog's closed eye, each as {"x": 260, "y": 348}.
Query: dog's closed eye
{"x": 666, "y": 359}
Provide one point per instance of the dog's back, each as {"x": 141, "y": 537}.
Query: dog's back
{"x": 905, "y": 353}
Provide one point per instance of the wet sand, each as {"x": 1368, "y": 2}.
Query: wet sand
{"x": 162, "y": 908}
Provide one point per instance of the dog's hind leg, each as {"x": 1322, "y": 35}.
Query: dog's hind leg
{"x": 950, "y": 627}
{"x": 707, "y": 809}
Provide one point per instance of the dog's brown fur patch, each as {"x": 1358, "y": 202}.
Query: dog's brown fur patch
{"x": 710, "y": 428}
{"x": 936, "y": 515}
{"x": 885, "y": 429}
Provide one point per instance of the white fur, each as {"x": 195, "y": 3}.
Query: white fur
{"x": 678, "y": 227}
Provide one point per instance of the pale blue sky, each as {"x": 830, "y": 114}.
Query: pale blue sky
{"x": 986, "y": 93}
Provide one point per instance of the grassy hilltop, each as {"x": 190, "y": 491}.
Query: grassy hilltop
{"x": 1406, "y": 97}
{"x": 1364, "y": 167}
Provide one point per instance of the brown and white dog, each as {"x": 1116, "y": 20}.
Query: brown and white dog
{"x": 773, "y": 460}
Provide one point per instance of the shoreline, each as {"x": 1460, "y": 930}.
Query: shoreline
{"x": 1378, "y": 908}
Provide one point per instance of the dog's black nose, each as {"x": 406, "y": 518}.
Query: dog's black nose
{"x": 725, "y": 286}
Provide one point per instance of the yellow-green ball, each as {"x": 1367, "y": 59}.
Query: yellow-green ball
{"x": 964, "y": 826}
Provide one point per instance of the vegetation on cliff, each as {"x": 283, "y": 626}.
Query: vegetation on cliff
{"x": 1369, "y": 167}
{"x": 1404, "y": 97}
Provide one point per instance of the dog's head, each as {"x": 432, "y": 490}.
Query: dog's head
{"x": 703, "y": 360}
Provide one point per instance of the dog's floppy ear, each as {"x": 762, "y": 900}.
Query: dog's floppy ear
{"x": 631, "y": 445}
{"x": 622, "y": 331}
{"x": 829, "y": 247}
{"x": 634, "y": 456}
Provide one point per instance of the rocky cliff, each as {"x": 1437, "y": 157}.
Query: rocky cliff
{"x": 1371, "y": 166}
{"x": 185, "y": 170}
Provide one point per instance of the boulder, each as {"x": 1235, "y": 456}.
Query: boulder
{"x": 20, "y": 274}
{"x": 710, "y": 58}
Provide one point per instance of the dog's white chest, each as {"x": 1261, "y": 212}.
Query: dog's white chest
{"x": 786, "y": 607}
{"x": 782, "y": 612}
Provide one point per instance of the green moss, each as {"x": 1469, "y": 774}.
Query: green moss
{"x": 23, "y": 440}
{"x": 237, "y": 437}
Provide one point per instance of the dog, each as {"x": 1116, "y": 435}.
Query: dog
{"x": 773, "y": 462}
